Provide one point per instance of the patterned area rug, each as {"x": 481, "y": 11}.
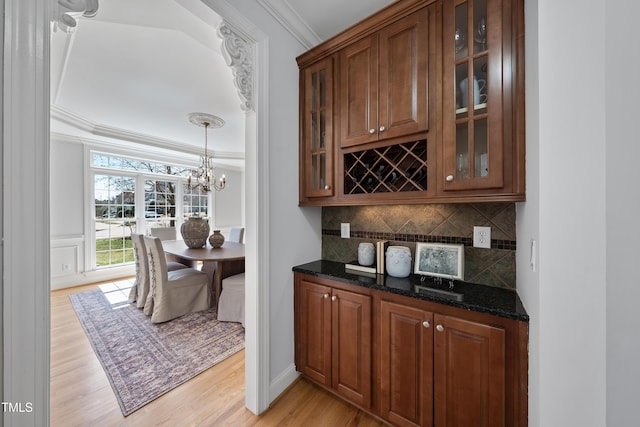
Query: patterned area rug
{"x": 144, "y": 360}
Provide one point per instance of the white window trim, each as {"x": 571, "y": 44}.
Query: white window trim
{"x": 89, "y": 201}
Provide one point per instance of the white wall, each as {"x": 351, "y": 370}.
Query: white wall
{"x": 566, "y": 213}
{"x": 227, "y": 204}
{"x": 623, "y": 207}
{"x": 294, "y": 233}
{"x": 67, "y": 189}
{"x": 67, "y": 214}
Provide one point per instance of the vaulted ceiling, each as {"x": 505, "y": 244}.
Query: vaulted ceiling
{"x": 136, "y": 69}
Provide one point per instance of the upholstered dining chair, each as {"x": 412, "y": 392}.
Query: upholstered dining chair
{"x": 164, "y": 233}
{"x": 140, "y": 289}
{"x": 231, "y": 302}
{"x": 173, "y": 293}
{"x": 236, "y": 234}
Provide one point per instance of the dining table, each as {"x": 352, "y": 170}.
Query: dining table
{"x": 221, "y": 262}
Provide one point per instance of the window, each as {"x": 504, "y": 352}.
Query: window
{"x": 159, "y": 203}
{"x": 109, "y": 161}
{"x": 194, "y": 203}
{"x": 132, "y": 196}
{"x": 114, "y": 218}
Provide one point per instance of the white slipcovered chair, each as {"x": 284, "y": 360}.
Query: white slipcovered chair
{"x": 164, "y": 233}
{"x": 173, "y": 293}
{"x": 231, "y": 301}
{"x": 140, "y": 289}
{"x": 236, "y": 234}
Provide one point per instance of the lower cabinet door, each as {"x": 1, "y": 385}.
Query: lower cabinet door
{"x": 469, "y": 373}
{"x": 406, "y": 365}
{"x": 314, "y": 318}
{"x": 351, "y": 323}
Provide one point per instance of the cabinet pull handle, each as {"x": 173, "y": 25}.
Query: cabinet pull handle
{"x": 372, "y": 130}
{"x": 426, "y": 324}
{"x": 333, "y": 298}
{"x": 381, "y": 128}
{"x": 449, "y": 178}
{"x": 327, "y": 187}
{"x": 325, "y": 296}
{"x": 440, "y": 328}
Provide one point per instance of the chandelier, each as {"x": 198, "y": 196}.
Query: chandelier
{"x": 204, "y": 178}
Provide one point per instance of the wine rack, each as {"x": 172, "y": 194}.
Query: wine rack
{"x": 392, "y": 169}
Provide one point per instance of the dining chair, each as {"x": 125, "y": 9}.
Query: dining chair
{"x": 140, "y": 289}
{"x": 231, "y": 301}
{"x": 236, "y": 234}
{"x": 164, "y": 233}
{"x": 173, "y": 293}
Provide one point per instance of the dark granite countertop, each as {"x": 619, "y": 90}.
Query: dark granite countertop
{"x": 470, "y": 296}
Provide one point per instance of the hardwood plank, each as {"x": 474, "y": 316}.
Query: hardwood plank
{"x": 82, "y": 396}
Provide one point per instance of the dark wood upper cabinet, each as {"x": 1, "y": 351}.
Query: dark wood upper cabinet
{"x": 383, "y": 82}
{"x": 316, "y": 129}
{"x": 482, "y": 100}
{"x": 446, "y": 73}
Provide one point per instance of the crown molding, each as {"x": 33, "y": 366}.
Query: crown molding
{"x": 146, "y": 152}
{"x": 82, "y": 123}
{"x": 282, "y": 11}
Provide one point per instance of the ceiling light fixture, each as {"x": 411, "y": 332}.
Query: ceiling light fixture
{"x": 204, "y": 178}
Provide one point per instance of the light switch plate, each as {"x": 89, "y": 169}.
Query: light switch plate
{"x": 482, "y": 237}
{"x": 345, "y": 230}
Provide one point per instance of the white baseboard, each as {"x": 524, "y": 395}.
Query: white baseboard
{"x": 282, "y": 381}
{"x": 69, "y": 281}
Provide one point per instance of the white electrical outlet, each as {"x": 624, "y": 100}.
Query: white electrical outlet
{"x": 482, "y": 237}
{"x": 345, "y": 230}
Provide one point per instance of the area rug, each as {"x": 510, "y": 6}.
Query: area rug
{"x": 144, "y": 360}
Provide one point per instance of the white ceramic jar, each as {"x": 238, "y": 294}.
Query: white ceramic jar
{"x": 366, "y": 253}
{"x": 398, "y": 261}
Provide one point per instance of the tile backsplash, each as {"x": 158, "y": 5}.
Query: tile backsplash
{"x": 439, "y": 223}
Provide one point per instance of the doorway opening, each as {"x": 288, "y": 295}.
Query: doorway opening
{"x": 255, "y": 178}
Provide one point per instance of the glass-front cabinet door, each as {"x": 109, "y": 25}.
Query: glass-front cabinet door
{"x": 473, "y": 87}
{"x": 317, "y": 113}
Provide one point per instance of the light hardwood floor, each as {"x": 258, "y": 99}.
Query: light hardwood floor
{"x": 82, "y": 396}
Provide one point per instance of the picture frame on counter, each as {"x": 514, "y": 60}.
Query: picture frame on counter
{"x": 440, "y": 260}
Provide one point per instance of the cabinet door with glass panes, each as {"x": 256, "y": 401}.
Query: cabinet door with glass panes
{"x": 473, "y": 140}
{"x": 316, "y": 140}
